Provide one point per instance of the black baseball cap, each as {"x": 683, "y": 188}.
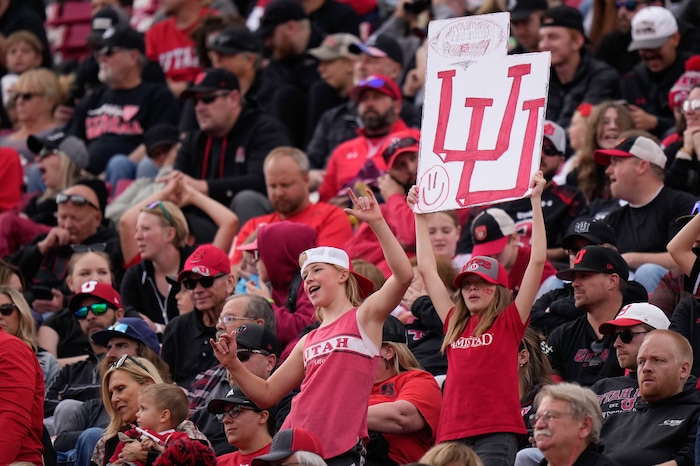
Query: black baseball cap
{"x": 381, "y": 45}
{"x": 215, "y": 79}
{"x": 564, "y": 16}
{"x": 394, "y": 330}
{"x": 597, "y": 259}
{"x": 124, "y": 37}
{"x": 594, "y": 231}
{"x": 257, "y": 337}
{"x": 160, "y": 135}
{"x": 107, "y": 17}
{"x": 524, "y": 8}
{"x": 279, "y": 12}
{"x": 235, "y": 397}
{"x": 233, "y": 40}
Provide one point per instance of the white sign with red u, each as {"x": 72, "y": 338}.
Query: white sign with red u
{"x": 483, "y": 115}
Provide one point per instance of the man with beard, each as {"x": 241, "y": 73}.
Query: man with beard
{"x": 656, "y": 38}
{"x": 567, "y": 426}
{"x": 113, "y": 118}
{"x": 400, "y": 154}
{"x": 663, "y": 428}
{"x": 287, "y": 179}
{"x": 379, "y": 104}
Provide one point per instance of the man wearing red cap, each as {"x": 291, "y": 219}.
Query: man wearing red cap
{"x": 207, "y": 278}
{"x": 379, "y": 103}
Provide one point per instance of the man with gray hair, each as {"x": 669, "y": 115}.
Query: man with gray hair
{"x": 567, "y": 426}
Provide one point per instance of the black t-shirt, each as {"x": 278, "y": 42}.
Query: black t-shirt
{"x": 573, "y": 349}
{"x": 71, "y": 339}
{"x": 649, "y": 228}
{"x": 617, "y": 394}
{"x": 113, "y": 121}
{"x": 333, "y": 17}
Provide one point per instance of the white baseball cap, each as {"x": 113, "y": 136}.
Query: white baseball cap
{"x": 651, "y": 26}
{"x": 556, "y": 135}
{"x": 638, "y": 146}
{"x": 635, "y": 314}
{"x": 335, "y": 256}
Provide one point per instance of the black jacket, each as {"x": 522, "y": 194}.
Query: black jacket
{"x": 591, "y": 456}
{"x": 244, "y": 149}
{"x": 77, "y": 381}
{"x": 593, "y": 82}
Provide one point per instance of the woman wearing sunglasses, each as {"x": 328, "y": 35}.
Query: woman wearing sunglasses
{"x": 155, "y": 238}
{"x": 16, "y": 319}
{"x": 320, "y": 360}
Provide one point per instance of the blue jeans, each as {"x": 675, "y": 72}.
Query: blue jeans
{"x": 649, "y": 276}
{"x": 528, "y": 457}
{"x": 84, "y": 447}
{"x": 497, "y": 449}
{"x": 120, "y": 167}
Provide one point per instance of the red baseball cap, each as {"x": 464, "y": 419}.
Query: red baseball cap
{"x": 487, "y": 268}
{"x": 102, "y": 291}
{"x": 399, "y": 143}
{"x": 378, "y": 82}
{"x": 207, "y": 261}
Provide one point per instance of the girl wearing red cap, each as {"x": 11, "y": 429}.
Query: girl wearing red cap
{"x": 336, "y": 363}
{"x": 483, "y": 328}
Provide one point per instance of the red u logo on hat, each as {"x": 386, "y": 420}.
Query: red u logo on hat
{"x": 579, "y": 256}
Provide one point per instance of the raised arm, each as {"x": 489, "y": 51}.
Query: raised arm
{"x": 377, "y": 307}
{"x": 222, "y": 216}
{"x": 681, "y": 246}
{"x": 263, "y": 393}
{"x": 538, "y": 255}
{"x": 426, "y": 262}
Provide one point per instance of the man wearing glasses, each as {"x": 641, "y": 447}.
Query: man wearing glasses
{"x": 630, "y": 327}
{"x": 79, "y": 214}
{"x": 577, "y": 350}
{"x": 207, "y": 278}
{"x": 224, "y": 157}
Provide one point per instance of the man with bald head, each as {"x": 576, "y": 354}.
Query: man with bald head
{"x": 663, "y": 428}
{"x": 79, "y": 214}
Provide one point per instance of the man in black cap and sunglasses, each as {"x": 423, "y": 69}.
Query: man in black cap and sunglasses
{"x": 577, "y": 350}
{"x": 79, "y": 227}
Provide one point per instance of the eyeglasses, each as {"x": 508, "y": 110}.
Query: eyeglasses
{"x": 233, "y": 412}
{"x": 229, "y": 319}
{"x": 691, "y": 104}
{"x": 626, "y": 335}
{"x": 597, "y": 360}
{"x": 398, "y": 144}
{"x": 76, "y": 199}
{"x": 25, "y": 96}
{"x": 109, "y": 50}
{"x": 97, "y": 309}
{"x": 121, "y": 361}
{"x": 8, "y": 309}
{"x": 206, "y": 282}
{"x": 547, "y": 416}
{"x": 81, "y": 248}
{"x": 166, "y": 214}
{"x": 629, "y": 5}
{"x": 550, "y": 150}
{"x": 207, "y": 99}
{"x": 243, "y": 354}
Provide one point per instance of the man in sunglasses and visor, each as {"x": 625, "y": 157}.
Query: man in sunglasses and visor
{"x": 207, "y": 278}
{"x": 630, "y": 327}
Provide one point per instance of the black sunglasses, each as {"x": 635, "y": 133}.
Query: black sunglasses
{"x": 206, "y": 282}
{"x": 25, "y": 96}
{"x": 76, "y": 199}
{"x": 207, "y": 99}
{"x": 398, "y": 144}
{"x": 81, "y": 248}
{"x": 109, "y": 50}
{"x": 243, "y": 354}
{"x": 8, "y": 309}
{"x": 550, "y": 150}
{"x": 626, "y": 335}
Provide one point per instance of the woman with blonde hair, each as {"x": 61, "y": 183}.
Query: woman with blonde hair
{"x": 603, "y": 128}
{"x": 451, "y": 454}
{"x": 16, "y": 319}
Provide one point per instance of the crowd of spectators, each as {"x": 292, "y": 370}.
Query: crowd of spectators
{"x": 207, "y": 240}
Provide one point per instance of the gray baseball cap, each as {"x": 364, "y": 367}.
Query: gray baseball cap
{"x": 59, "y": 141}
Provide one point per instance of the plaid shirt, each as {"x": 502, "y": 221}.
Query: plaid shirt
{"x": 207, "y": 385}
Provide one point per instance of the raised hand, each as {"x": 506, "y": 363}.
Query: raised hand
{"x": 365, "y": 208}
{"x": 537, "y": 183}
{"x": 225, "y": 349}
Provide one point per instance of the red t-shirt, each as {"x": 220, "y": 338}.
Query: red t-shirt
{"x": 421, "y": 390}
{"x": 480, "y": 394}
{"x": 331, "y": 224}
{"x": 173, "y": 48}
{"x": 239, "y": 459}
